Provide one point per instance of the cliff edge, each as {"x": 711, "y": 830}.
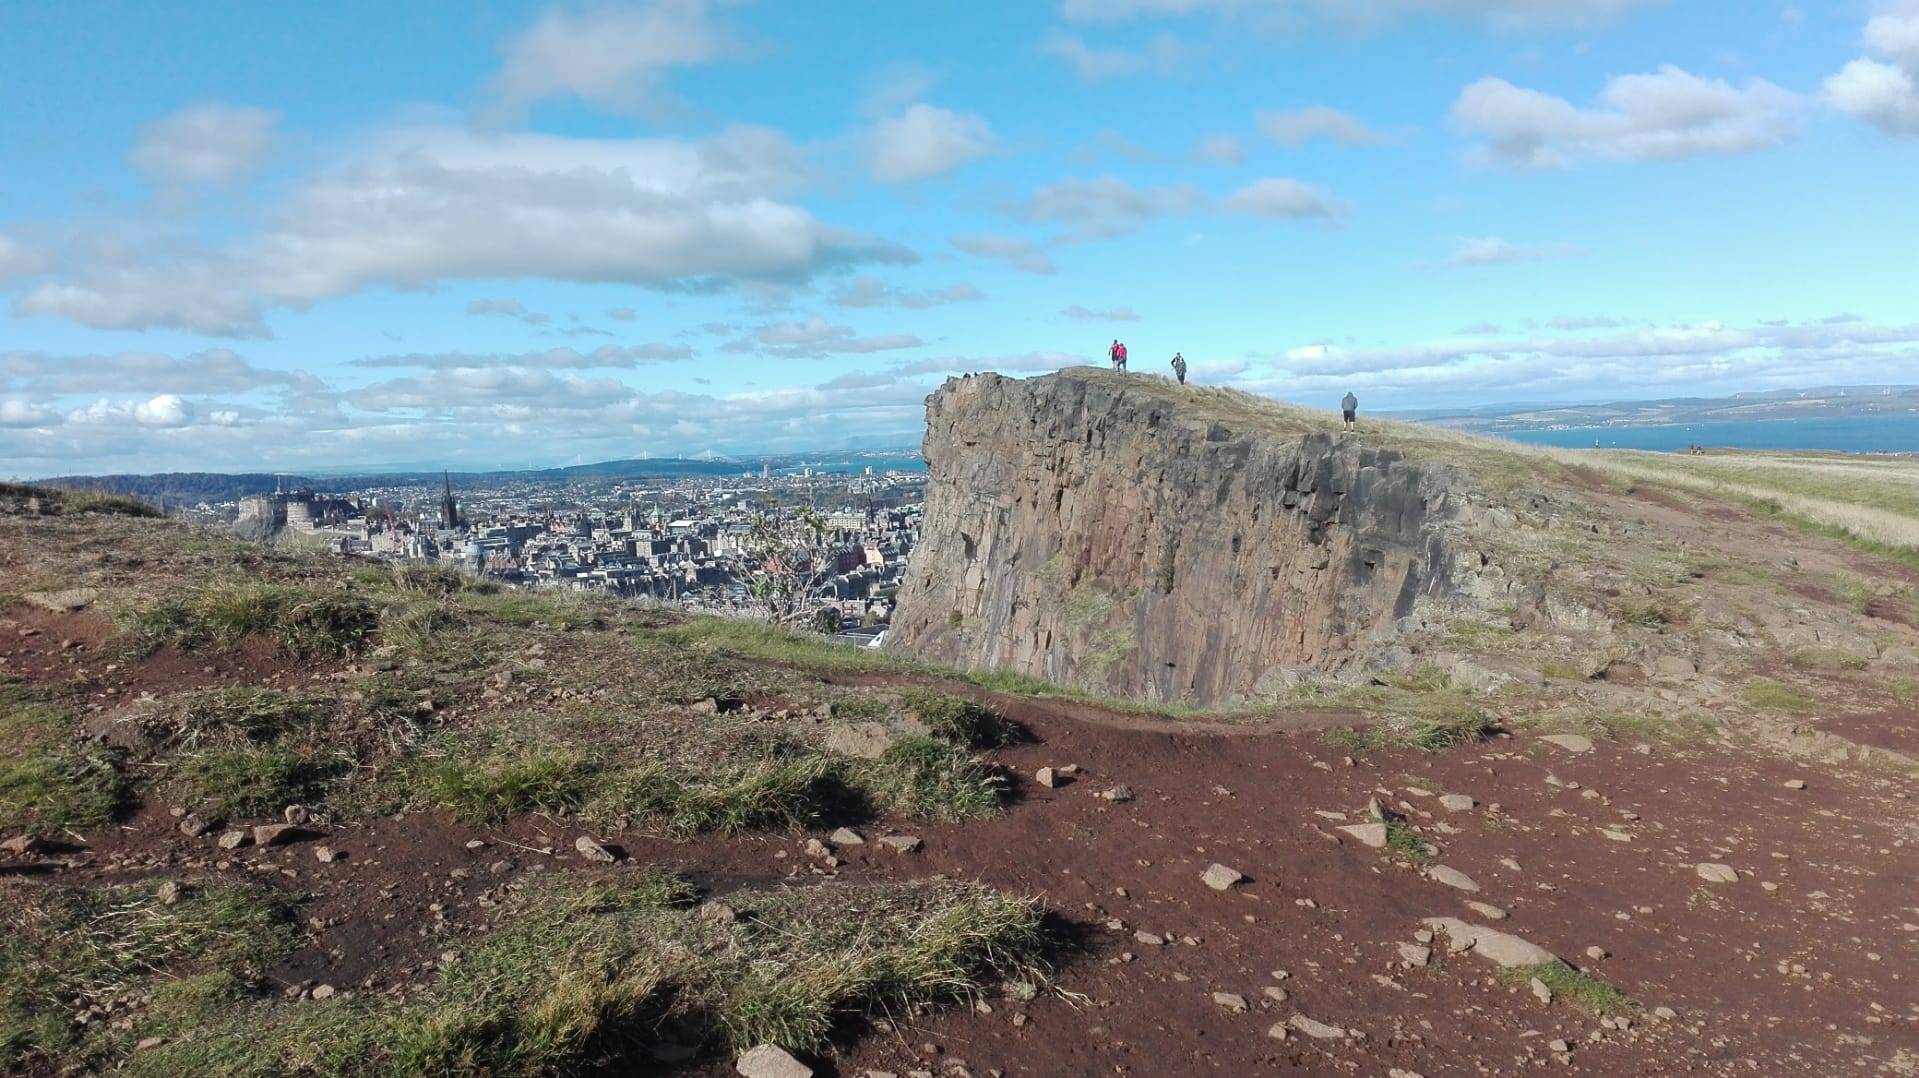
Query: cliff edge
{"x": 1122, "y": 534}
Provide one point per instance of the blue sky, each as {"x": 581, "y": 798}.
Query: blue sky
{"x": 281, "y": 236}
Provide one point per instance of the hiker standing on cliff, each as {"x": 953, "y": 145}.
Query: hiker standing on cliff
{"x": 1179, "y": 367}
{"x": 1349, "y": 409}
{"x": 1117, "y": 353}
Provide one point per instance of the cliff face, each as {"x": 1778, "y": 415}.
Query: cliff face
{"x": 1118, "y": 535}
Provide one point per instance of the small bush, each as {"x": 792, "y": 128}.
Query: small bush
{"x": 49, "y": 780}
{"x": 1827, "y": 659}
{"x": 1569, "y": 985}
{"x": 958, "y": 720}
{"x": 794, "y": 792}
{"x": 1772, "y": 696}
{"x": 255, "y": 780}
{"x": 491, "y": 788}
{"x": 924, "y": 778}
{"x": 303, "y": 621}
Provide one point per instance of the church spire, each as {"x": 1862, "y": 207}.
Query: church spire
{"x": 449, "y": 511}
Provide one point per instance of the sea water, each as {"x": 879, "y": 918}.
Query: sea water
{"x": 1867, "y": 434}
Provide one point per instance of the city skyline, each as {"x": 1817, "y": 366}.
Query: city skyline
{"x": 557, "y": 234}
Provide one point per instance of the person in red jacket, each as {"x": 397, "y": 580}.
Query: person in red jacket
{"x": 1117, "y": 353}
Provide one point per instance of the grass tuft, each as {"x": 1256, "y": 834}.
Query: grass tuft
{"x": 254, "y": 780}
{"x": 1580, "y": 989}
{"x": 303, "y": 621}
{"x": 49, "y": 780}
{"x": 1773, "y": 696}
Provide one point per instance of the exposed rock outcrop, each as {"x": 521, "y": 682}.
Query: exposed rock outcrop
{"x": 1118, "y": 534}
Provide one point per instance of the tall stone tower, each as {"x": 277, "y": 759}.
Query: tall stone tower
{"x": 449, "y": 511}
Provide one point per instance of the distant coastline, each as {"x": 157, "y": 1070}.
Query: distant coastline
{"x": 1860, "y": 434}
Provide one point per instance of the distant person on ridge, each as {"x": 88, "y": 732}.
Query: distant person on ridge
{"x": 1117, "y": 353}
{"x": 1349, "y": 408}
{"x": 1179, "y": 367}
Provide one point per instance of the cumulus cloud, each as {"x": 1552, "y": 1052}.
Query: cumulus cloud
{"x": 432, "y": 204}
{"x": 1295, "y": 127}
{"x": 925, "y": 141}
{"x": 1164, "y": 54}
{"x": 17, "y": 259}
{"x": 1104, "y": 207}
{"x": 1493, "y": 251}
{"x": 1220, "y": 150}
{"x": 1016, "y": 252}
{"x": 1665, "y": 116}
{"x": 610, "y": 55}
{"x": 208, "y": 143}
{"x": 610, "y": 356}
{"x": 863, "y": 291}
{"x": 814, "y": 337}
{"x": 1288, "y": 199}
{"x": 20, "y": 413}
{"x": 1111, "y": 314}
{"x": 1884, "y": 92}
{"x": 213, "y": 371}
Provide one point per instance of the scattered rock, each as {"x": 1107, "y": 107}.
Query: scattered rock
{"x": 1558, "y": 1044}
{"x": 1486, "y": 910}
{"x": 22, "y": 845}
{"x": 193, "y": 825}
{"x": 708, "y": 706}
{"x": 1457, "y": 803}
{"x": 1046, "y": 777}
{"x": 717, "y": 912}
{"x": 1500, "y": 948}
{"x": 295, "y": 814}
{"x": 1574, "y": 743}
{"x": 276, "y": 834}
{"x": 1150, "y": 939}
{"x": 1597, "y": 954}
{"x": 322, "y": 991}
{"x": 594, "y": 851}
{"x": 846, "y": 836}
{"x": 1664, "y": 1014}
{"x": 901, "y": 843}
{"x": 149, "y": 1043}
{"x": 1319, "y": 1031}
{"x": 1795, "y": 784}
{"x": 1230, "y": 1001}
{"x": 168, "y": 892}
{"x": 1714, "y": 873}
{"x": 1415, "y": 954}
{"x": 326, "y": 855}
{"x": 1367, "y": 834}
{"x": 1120, "y": 793}
{"x": 816, "y": 848}
{"x": 1451, "y": 877}
{"x": 1541, "y": 992}
{"x": 1221, "y": 878}
{"x": 64, "y": 601}
{"x": 233, "y": 840}
{"x": 770, "y": 1061}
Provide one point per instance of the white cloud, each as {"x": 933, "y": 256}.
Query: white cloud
{"x": 925, "y": 141}
{"x": 216, "y": 370}
{"x": 17, "y": 259}
{"x": 610, "y": 356}
{"x": 1298, "y": 126}
{"x": 425, "y": 205}
{"x": 19, "y": 413}
{"x": 1015, "y": 251}
{"x": 1113, "y": 314}
{"x": 1884, "y": 93}
{"x": 1493, "y": 251}
{"x": 1104, "y": 207}
{"x": 1283, "y": 198}
{"x": 865, "y": 291}
{"x": 814, "y": 337}
{"x": 611, "y": 55}
{"x": 1292, "y": 13}
{"x": 1164, "y": 54}
{"x": 1665, "y": 116}
{"x": 1220, "y": 150}
{"x": 509, "y": 308}
{"x": 210, "y": 143}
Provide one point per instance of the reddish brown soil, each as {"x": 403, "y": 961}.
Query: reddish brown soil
{"x": 1328, "y": 913}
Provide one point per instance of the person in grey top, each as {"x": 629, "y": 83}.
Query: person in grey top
{"x": 1349, "y": 408}
{"x": 1179, "y": 367}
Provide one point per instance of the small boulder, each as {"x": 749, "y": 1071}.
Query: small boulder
{"x": 1221, "y": 878}
{"x": 1541, "y": 991}
{"x": 276, "y": 834}
{"x": 1451, "y": 877}
{"x": 1415, "y": 954}
{"x": 846, "y": 836}
{"x": 1714, "y": 873}
{"x": 1231, "y": 1001}
{"x": 1046, "y": 777}
{"x": 864, "y": 740}
{"x": 1573, "y": 743}
{"x": 770, "y": 1061}
{"x": 1317, "y": 1030}
{"x": 22, "y": 845}
{"x": 1367, "y": 834}
{"x": 1486, "y": 910}
{"x": 901, "y": 843}
{"x": 295, "y": 814}
{"x": 1500, "y": 948}
{"x": 193, "y": 825}
{"x": 594, "y": 850}
{"x": 233, "y": 840}
{"x": 326, "y": 855}
{"x": 1795, "y": 784}
{"x": 1120, "y": 793}
{"x": 717, "y": 912}
{"x": 1457, "y": 803}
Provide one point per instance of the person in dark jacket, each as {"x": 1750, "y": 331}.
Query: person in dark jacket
{"x": 1349, "y": 410}
{"x": 1179, "y": 367}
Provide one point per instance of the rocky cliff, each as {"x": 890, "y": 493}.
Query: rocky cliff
{"x": 1120, "y": 534}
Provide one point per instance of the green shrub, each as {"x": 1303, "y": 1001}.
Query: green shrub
{"x": 959, "y": 720}
{"x": 50, "y": 780}
{"x": 253, "y": 780}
